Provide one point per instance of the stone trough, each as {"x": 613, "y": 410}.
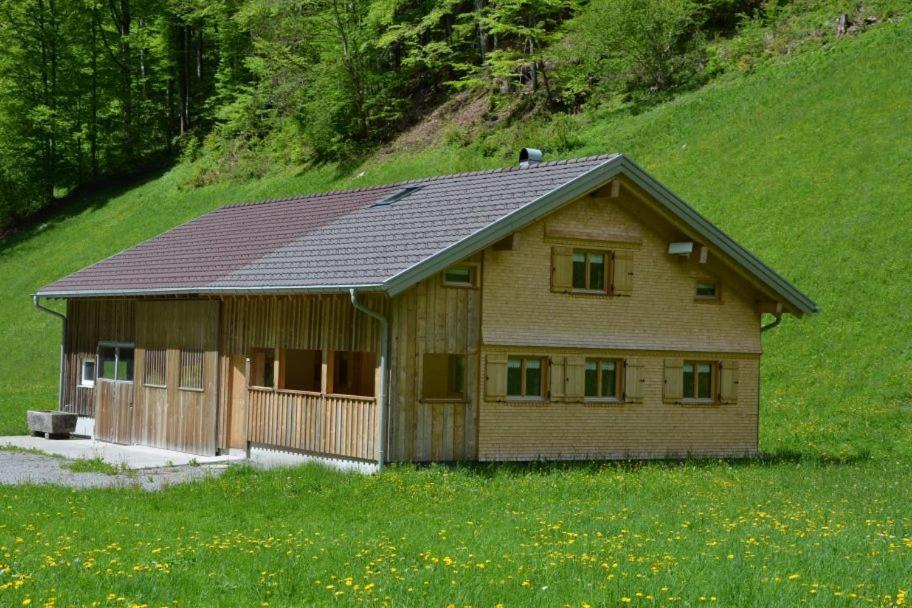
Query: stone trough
{"x": 51, "y": 424}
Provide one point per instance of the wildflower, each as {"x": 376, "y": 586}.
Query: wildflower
{"x": 794, "y": 577}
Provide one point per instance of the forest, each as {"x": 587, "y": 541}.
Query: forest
{"x": 95, "y": 91}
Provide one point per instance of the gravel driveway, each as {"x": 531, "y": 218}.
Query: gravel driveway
{"x": 35, "y": 468}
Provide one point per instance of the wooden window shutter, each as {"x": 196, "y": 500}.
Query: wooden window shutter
{"x": 728, "y": 381}
{"x": 496, "y": 377}
{"x": 633, "y": 380}
{"x": 557, "y": 378}
{"x": 575, "y": 373}
{"x": 622, "y": 273}
{"x": 562, "y": 269}
{"x": 674, "y": 380}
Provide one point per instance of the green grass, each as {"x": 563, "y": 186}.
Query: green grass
{"x": 92, "y": 465}
{"x": 781, "y": 534}
{"x": 806, "y": 163}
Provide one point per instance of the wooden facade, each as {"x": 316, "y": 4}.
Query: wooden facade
{"x": 238, "y": 353}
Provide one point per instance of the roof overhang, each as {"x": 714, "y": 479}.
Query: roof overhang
{"x": 207, "y": 291}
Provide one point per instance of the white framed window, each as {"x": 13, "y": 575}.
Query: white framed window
{"x": 87, "y": 373}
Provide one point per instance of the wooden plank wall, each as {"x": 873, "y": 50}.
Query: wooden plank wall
{"x": 89, "y": 322}
{"x": 290, "y": 419}
{"x": 432, "y": 318}
{"x": 171, "y": 417}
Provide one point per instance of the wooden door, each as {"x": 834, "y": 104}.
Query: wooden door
{"x": 237, "y": 412}
{"x": 113, "y": 410}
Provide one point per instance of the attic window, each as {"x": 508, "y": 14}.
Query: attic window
{"x": 396, "y": 196}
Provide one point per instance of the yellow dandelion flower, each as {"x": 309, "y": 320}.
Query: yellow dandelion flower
{"x": 794, "y": 577}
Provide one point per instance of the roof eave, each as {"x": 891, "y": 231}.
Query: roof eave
{"x": 205, "y": 291}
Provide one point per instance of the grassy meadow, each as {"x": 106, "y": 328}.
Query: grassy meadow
{"x": 807, "y": 163}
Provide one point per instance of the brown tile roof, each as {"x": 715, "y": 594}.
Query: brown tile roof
{"x": 329, "y": 240}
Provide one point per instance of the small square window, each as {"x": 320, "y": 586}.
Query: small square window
{"x": 602, "y": 378}
{"x": 87, "y": 373}
{"x": 116, "y": 362}
{"x": 191, "y": 370}
{"x": 525, "y": 377}
{"x": 155, "y": 372}
{"x": 590, "y": 269}
{"x": 707, "y": 290}
{"x": 443, "y": 376}
{"x": 460, "y": 276}
{"x": 699, "y": 380}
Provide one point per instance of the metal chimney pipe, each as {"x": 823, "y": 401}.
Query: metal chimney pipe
{"x": 529, "y": 157}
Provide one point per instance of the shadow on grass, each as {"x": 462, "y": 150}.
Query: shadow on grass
{"x": 785, "y": 457}
{"x": 65, "y": 208}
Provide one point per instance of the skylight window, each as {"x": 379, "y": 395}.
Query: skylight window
{"x": 396, "y": 196}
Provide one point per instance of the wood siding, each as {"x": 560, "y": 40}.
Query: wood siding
{"x": 654, "y": 317}
{"x": 660, "y": 311}
{"x": 338, "y": 425}
{"x": 574, "y": 429}
{"x": 172, "y": 417}
{"x": 88, "y": 323}
{"x": 432, "y": 318}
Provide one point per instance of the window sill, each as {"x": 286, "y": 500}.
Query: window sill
{"x": 589, "y": 292}
{"x": 602, "y": 401}
{"x": 155, "y": 385}
{"x": 188, "y": 389}
{"x": 85, "y": 385}
{"x": 698, "y": 402}
{"x": 443, "y": 400}
{"x": 261, "y": 389}
{"x": 527, "y": 400}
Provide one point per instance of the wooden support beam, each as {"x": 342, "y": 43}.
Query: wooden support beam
{"x": 704, "y": 254}
{"x": 615, "y": 188}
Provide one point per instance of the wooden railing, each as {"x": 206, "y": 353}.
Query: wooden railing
{"x": 338, "y": 425}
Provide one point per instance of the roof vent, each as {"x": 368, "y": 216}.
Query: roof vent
{"x": 398, "y": 195}
{"x": 529, "y": 157}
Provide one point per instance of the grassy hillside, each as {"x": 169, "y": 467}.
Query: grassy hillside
{"x": 806, "y": 163}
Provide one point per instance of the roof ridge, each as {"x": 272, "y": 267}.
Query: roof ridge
{"x": 422, "y": 180}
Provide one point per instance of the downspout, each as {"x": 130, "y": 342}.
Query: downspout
{"x": 775, "y": 322}
{"x": 382, "y": 393}
{"x": 771, "y": 324}
{"x": 63, "y": 336}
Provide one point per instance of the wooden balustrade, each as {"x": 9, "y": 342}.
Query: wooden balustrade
{"x": 338, "y": 425}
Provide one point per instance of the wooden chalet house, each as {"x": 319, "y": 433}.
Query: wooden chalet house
{"x": 574, "y": 309}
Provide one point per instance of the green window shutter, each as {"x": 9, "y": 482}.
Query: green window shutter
{"x": 496, "y": 377}
{"x": 728, "y": 381}
{"x": 562, "y": 269}
{"x": 622, "y": 273}
{"x": 557, "y": 379}
{"x": 575, "y": 373}
{"x": 633, "y": 380}
{"x": 674, "y": 380}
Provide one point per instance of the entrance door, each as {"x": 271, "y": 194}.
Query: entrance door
{"x": 114, "y": 392}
